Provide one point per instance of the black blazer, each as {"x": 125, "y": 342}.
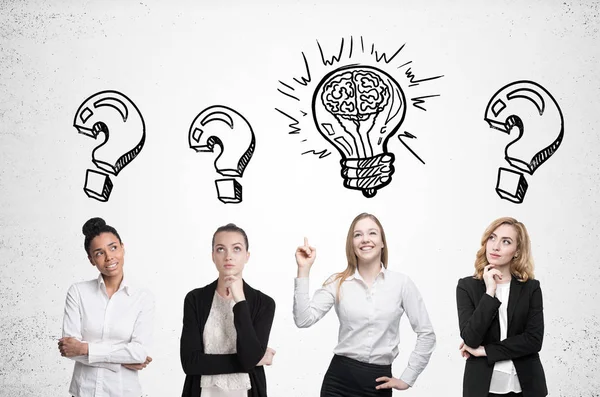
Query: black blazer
{"x": 252, "y": 319}
{"x": 480, "y": 326}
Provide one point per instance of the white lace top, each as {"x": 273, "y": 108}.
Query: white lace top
{"x": 220, "y": 338}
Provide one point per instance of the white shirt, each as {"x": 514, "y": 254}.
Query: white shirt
{"x": 370, "y": 318}
{"x": 220, "y": 337}
{"x": 504, "y": 378}
{"x": 118, "y": 331}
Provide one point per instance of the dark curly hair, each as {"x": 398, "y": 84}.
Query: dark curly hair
{"x": 93, "y": 228}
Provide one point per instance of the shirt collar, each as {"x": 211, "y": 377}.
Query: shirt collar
{"x": 357, "y": 276}
{"x": 125, "y": 285}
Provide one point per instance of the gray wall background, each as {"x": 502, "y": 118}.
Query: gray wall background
{"x": 173, "y": 60}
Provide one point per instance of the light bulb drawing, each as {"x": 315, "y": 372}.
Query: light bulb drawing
{"x": 354, "y": 102}
{"x": 358, "y": 109}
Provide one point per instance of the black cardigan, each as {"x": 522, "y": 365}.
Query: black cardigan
{"x": 252, "y": 319}
{"x": 480, "y": 326}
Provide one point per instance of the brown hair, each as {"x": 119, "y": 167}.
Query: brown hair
{"x": 230, "y": 227}
{"x": 351, "y": 256}
{"x": 521, "y": 266}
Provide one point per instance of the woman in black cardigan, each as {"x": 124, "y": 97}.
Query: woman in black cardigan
{"x": 500, "y": 314}
{"x": 253, "y": 314}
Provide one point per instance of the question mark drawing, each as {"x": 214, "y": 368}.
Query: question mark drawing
{"x": 530, "y": 108}
{"x": 223, "y": 126}
{"x": 120, "y": 120}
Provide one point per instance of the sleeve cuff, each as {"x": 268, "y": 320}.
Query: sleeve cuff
{"x": 98, "y": 352}
{"x": 301, "y": 284}
{"x": 240, "y": 306}
{"x": 409, "y": 376}
{"x": 492, "y": 299}
{"x": 491, "y": 354}
{"x": 113, "y": 367}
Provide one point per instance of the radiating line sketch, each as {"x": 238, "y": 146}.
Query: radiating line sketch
{"x": 226, "y": 128}
{"x": 122, "y": 124}
{"x": 533, "y": 111}
{"x": 356, "y": 107}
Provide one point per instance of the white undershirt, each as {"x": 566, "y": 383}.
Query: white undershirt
{"x": 220, "y": 337}
{"x": 504, "y": 377}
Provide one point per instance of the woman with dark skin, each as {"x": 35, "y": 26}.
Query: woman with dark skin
{"x": 108, "y": 321}
{"x": 500, "y": 315}
{"x": 226, "y": 327}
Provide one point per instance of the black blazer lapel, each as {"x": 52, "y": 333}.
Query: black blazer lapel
{"x": 250, "y": 294}
{"x": 513, "y": 298}
{"x": 208, "y": 294}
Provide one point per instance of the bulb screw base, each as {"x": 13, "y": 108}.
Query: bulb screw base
{"x": 368, "y": 174}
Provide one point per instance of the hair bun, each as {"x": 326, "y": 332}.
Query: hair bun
{"x": 91, "y": 225}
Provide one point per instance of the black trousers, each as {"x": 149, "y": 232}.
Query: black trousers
{"x": 350, "y": 378}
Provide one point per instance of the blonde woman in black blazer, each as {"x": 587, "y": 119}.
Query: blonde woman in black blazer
{"x": 500, "y": 314}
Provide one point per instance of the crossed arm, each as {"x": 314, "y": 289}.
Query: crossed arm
{"x": 251, "y": 344}
{"x": 475, "y": 321}
{"x": 131, "y": 354}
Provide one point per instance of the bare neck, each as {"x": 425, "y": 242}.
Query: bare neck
{"x": 506, "y": 275}
{"x": 369, "y": 270}
{"x": 112, "y": 284}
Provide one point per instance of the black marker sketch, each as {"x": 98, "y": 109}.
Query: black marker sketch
{"x": 511, "y": 185}
{"x": 97, "y": 185}
{"x": 533, "y": 111}
{"x": 122, "y": 124}
{"x": 223, "y": 126}
{"x": 356, "y": 107}
{"x": 229, "y": 190}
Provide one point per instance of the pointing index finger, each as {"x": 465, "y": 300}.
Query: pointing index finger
{"x": 305, "y": 242}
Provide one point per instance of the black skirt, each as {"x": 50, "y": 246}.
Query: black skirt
{"x": 350, "y": 378}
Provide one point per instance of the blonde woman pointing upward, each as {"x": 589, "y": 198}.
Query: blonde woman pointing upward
{"x": 369, "y": 300}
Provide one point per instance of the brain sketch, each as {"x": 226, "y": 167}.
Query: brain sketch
{"x": 355, "y": 94}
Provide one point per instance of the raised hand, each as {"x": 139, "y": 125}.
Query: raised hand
{"x": 235, "y": 288}
{"x": 491, "y": 276}
{"x": 305, "y": 257}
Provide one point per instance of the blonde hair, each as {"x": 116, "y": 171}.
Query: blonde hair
{"x": 351, "y": 256}
{"x": 521, "y": 266}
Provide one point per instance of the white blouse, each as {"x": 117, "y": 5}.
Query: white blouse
{"x": 220, "y": 337}
{"x": 504, "y": 377}
{"x": 370, "y": 318}
{"x": 117, "y": 330}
